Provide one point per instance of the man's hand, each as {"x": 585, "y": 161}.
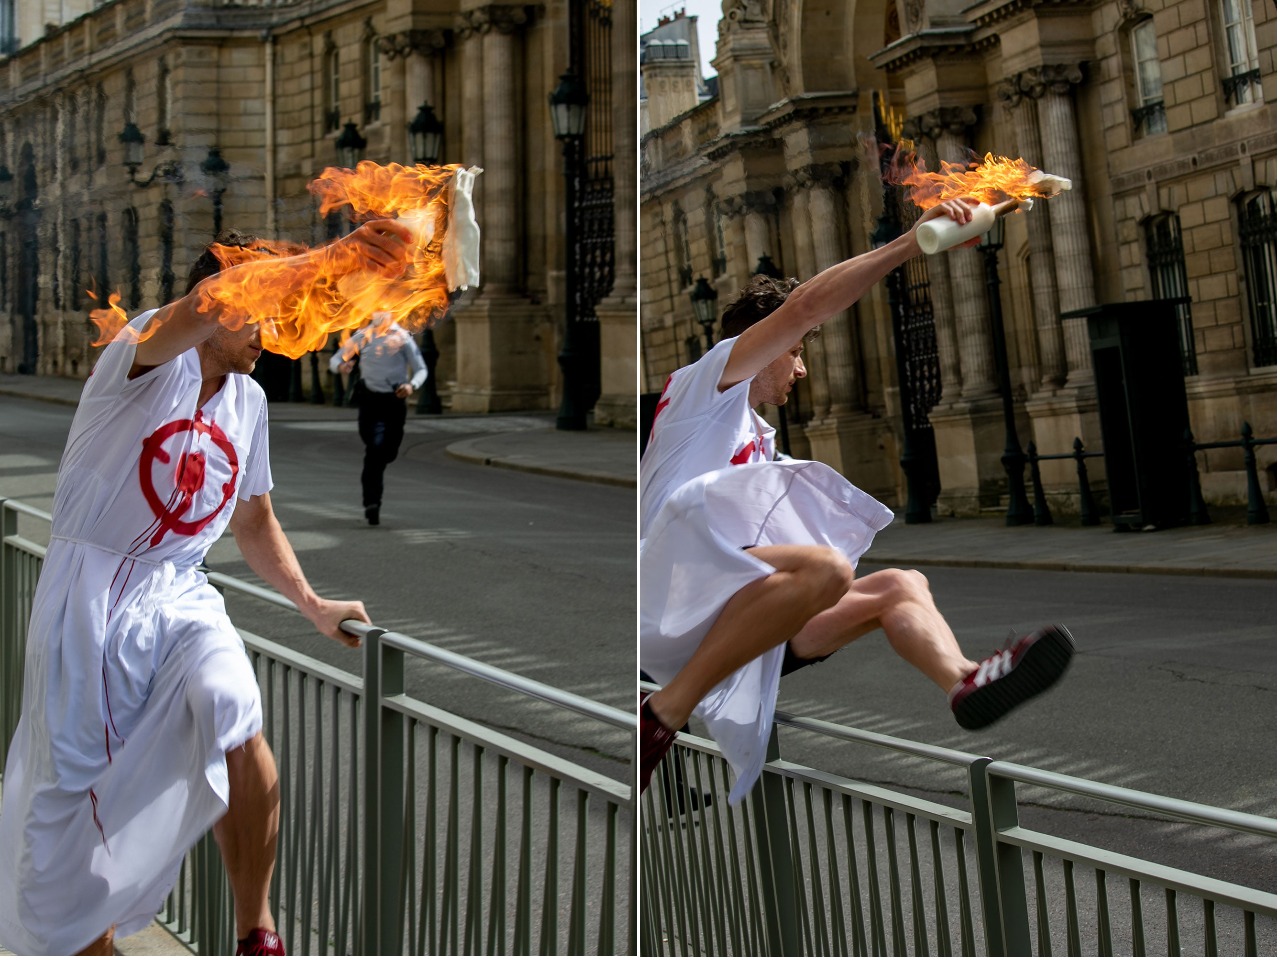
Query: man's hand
{"x": 327, "y": 615}
{"x": 346, "y": 366}
{"x": 959, "y": 210}
{"x": 379, "y": 246}
{"x": 403, "y": 390}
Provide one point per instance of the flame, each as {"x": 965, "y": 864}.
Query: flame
{"x": 300, "y": 296}
{"x": 992, "y": 181}
{"x": 326, "y": 291}
{"x": 110, "y": 320}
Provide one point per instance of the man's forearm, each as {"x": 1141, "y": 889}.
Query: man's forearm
{"x": 270, "y": 555}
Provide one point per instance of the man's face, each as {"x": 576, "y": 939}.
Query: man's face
{"x": 234, "y": 351}
{"x": 774, "y": 382}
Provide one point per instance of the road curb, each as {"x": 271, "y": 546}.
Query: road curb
{"x": 1066, "y": 566}
{"x": 41, "y": 397}
{"x": 467, "y": 451}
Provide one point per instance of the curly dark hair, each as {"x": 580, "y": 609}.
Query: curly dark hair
{"x": 760, "y": 297}
{"x": 207, "y": 264}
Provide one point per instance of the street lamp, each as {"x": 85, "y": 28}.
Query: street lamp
{"x": 217, "y": 172}
{"x": 425, "y": 134}
{"x": 350, "y": 146}
{"x": 569, "y": 120}
{"x": 134, "y": 141}
{"x": 704, "y": 307}
{"x": 1014, "y": 459}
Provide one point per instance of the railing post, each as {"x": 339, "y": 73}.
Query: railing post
{"x": 383, "y": 798}
{"x": 10, "y": 642}
{"x": 1257, "y": 505}
{"x": 1088, "y": 510}
{"x": 777, "y": 868}
{"x": 1199, "y": 513}
{"x": 1000, "y": 876}
{"x": 1043, "y": 518}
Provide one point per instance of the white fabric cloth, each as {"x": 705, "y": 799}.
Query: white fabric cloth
{"x": 136, "y": 683}
{"x": 692, "y": 559}
{"x": 388, "y": 357}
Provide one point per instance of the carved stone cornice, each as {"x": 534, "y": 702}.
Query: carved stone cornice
{"x": 1009, "y": 93}
{"x": 496, "y": 18}
{"x": 934, "y": 123}
{"x": 1056, "y": 78}
{"x": 828, "y": 175}
{"x": 810, "y": 109}
{"x": 731, "y": 208}
{"x": 425, "y": 43}
{"x": 762, "y": 201}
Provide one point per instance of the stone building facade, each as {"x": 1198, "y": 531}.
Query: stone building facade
{"x": 1162, "y": 112}
{"x": 270, "y": 86}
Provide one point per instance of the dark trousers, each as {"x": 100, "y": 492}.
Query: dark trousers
{"x": 382, "y": 417}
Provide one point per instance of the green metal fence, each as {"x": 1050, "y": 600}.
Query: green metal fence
{"x": 815, "y": 864}
{"x": 405, "y": 829}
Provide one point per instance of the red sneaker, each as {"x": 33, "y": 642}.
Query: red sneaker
{"x": 655, "y": 741}
{"x": 1028, "y": 666}
{"x": 260, "y": 943}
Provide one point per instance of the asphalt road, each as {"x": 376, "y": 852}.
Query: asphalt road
{"x": 529, "y": 573}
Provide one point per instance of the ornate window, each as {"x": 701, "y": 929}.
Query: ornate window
{"x": 131, "y": 258}
{"x": 100, "y": 125}
{"x": 102, "y": 278}
{"x": 684, "y": 260}
{"x": 1168, "y": 268}
{"x": 715, "y": 234}
{"x": 1148, "y": 113}
{"x": 8, "y": 28}
{"x": 1243, "y": 83}
{"x": 166, "y": 251}
{"x": 332, "y": 82}
{"x": 1258, "y": 249}
{"x": 75, "y": 298}
{"x": 164, "y": 101}
{"x": 72, "y": 118}
{"x": 372, "y": 77}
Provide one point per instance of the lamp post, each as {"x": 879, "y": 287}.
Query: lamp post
{"x": 425, "y": 135}
{"x": 350, "y": 145}
{"x": 217, "y": 172}
{"x": 704, "y": 308}
{"x": 569, "y": 120}
{"x": 1014, "y": 459}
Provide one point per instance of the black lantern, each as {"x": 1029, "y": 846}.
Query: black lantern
{"x": 217, "y": 172}
{"x": 569, "y": 106}
{"x": 350, "y": 146}
{"x": 425, "y": 134}
{"x": 704, "y": 307}
{"x": 133, "y": 141}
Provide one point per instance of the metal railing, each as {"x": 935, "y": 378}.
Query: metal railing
{"x": 813, "y": 863}
{"x": 405, "y": 829}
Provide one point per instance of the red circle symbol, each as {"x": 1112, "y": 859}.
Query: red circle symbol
{"x": 189, "y": 476}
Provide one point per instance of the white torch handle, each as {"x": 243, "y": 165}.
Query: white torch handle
{"x": 943, "y": 233}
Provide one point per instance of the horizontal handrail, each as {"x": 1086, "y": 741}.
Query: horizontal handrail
{"x": 1182, "y": 809}
{"x": 925, "y": 751}
{"x": 17, "y": 506}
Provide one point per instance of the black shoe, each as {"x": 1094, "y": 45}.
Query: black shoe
{"x": 371, "y": 514}
{"x": 1029, "y": 666}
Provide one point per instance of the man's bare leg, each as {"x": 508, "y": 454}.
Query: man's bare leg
{"x": 898, "y": 602}
{"x": 247, "y": 834}
{"x": 104, "y": 946}
{"x": 758, "y": 617}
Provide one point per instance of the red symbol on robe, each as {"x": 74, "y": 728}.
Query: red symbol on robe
{"x": 189, "y": 476}
{"x": 743, "y": 455}
{"x": 662, "y": 405}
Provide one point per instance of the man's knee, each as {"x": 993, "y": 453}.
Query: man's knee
{"x": 907, "y": 586}
{"x": 223, "y": 691}
{"x": 830, "y": 574}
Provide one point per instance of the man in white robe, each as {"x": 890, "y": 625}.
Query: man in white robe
{"x": 747, "y": 563}
{"x": 141, "y": 721}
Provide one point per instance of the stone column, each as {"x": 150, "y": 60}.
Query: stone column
{"x": 617, "y": 312}
{"x": 1051, "y": 87}
{"x": 1044, "y": 283}
{"x": 844, "y": 387}
{"x": 968, "y": 285}
{"x": 759, "y": 203}
{"x": 741, "y": 267}
{"x": 940, "y": 295}
{"x": 806, "y": 267}
{"x": 501, "y": 337}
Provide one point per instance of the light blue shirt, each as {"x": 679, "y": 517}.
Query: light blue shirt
{"x": 388, "y": 357}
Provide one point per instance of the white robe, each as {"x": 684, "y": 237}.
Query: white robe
{"x": 709, "y": 487}
{"x": 136, "y": 683}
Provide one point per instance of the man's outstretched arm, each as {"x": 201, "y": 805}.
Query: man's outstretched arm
{"x": 382, "y": 247}
{"x": 265, "y": 548}
{"x": 818, "y": 299}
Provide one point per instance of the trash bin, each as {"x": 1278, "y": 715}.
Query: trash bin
{"x": 1142, "y": 407}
